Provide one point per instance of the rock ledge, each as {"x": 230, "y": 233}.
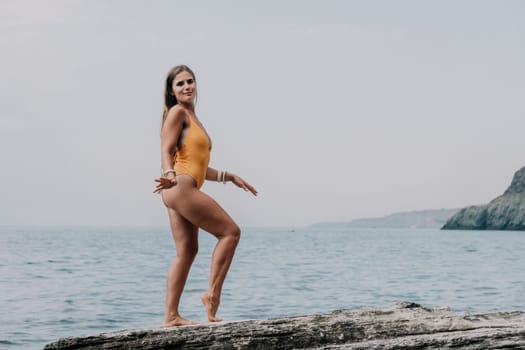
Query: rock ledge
{"x": 406, "y": 325}
{"x": 506, "y": 212}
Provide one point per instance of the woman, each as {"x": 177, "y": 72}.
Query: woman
{"x": 185, "y": 154}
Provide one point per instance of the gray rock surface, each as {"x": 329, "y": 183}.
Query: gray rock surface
{"x": 405, "y": 326}
{"x": 506, "y": 212}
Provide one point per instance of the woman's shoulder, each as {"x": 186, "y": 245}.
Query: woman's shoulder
{"x": 177, "y": 114}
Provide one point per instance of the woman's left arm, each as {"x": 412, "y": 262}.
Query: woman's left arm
{"x": 217, "y": 175}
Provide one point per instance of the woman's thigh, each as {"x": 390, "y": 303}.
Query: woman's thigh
{"x": 184, "y": 233}
{"x": 197, "y": 207}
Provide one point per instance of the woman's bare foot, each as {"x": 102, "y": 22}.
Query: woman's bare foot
{"x": 178, "y": 321}
{"x": 211, "y": 307}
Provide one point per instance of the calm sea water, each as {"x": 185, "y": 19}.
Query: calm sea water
{"x": 65, "y": 281}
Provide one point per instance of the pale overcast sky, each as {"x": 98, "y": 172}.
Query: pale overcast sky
{"x": 334, "y": 110}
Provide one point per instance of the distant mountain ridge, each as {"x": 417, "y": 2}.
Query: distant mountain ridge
{"x": 433, "y": 218}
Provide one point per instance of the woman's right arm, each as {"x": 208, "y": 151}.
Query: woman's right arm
{"x": 169, "y": 137}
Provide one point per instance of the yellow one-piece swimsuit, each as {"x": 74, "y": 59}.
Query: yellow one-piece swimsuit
{"x": 193, "y": 157}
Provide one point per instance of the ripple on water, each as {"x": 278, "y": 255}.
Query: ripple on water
{"x": 7, "y": 342}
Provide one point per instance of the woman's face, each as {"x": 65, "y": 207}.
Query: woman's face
{"x": 184, "y": 88}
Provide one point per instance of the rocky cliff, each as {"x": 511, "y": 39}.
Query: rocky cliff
{"x": 506, "y": 212}
{"x": 405, "y": 326}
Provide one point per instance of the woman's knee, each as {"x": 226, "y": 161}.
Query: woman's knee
{"x": 233, "y": 232}
{"x": 187, "y": 252}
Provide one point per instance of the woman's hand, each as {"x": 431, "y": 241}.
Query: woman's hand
{"x": 164, "y": 183}
{"x": 242, "y": 184}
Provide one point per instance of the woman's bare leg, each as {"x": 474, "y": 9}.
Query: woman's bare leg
{"x": 220, "y": 264}
{"x": 204, "y": 212}
{"x": 185, "y": 236}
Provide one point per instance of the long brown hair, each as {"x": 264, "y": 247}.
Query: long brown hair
{"x": 169, "y": 98}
